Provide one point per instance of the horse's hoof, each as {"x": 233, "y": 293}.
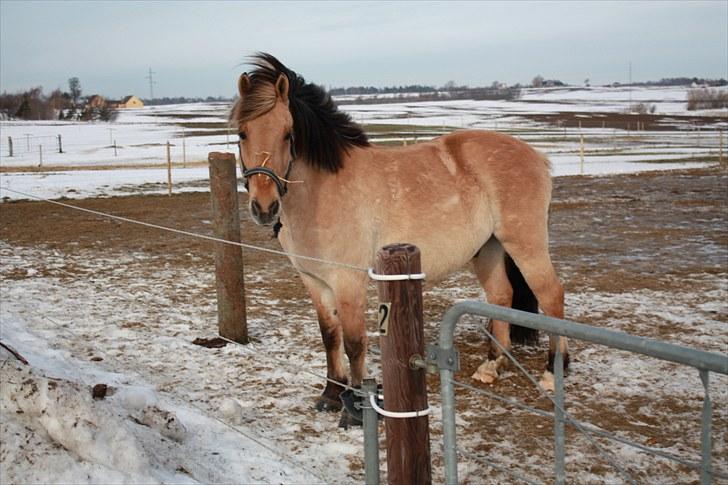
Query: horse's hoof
{"x": 347, "y": 420}
{"x": 487, "y": 373}
{"x": 550, "y": 365}
{"x": 327, "y": 405}
{"x": 547, "y": 381}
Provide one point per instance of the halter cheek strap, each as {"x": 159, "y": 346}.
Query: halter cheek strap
{"x": 281, "y": 183}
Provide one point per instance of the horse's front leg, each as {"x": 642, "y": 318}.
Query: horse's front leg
{"x": 331, "y": 334}
{"x": 352, "y": 306}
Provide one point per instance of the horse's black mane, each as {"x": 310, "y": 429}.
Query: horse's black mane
{"x": 323, "y": 134}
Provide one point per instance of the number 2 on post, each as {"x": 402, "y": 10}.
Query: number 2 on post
{"x": 384, "y": 318}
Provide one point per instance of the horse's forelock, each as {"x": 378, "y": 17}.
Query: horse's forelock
{"x": 260, "y": 99}
{"x": 323, "y": 133}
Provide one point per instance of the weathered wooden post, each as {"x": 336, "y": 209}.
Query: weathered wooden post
{"x": 10, "y": 145}
{"x": 184, "y": 149}
{"x": 169, "y": 170}
{"x": 60, "y": 144}
{"x": 40, "y": 155}
{"x": 720, "y": 150}
{"x": 115, "y": 154}
{"x": 405, "y": 387}
{"x": 231, "y": 318}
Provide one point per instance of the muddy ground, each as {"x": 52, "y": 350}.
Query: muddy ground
{"x": 638, "y": 253}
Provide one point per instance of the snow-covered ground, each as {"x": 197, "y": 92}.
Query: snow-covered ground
{"x": 194, "y": 130}
{"x": 177, "y": 413}
{"x": 54, "y": 431}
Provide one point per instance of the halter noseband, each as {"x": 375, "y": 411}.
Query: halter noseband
{"x": 281, "y": 182}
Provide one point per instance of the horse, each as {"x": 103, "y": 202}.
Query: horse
{"x": 466, "y": 197}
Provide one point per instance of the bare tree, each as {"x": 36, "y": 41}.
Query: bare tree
{"x": 74, "y": 87}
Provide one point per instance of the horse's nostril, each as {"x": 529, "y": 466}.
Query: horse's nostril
{"x": 274, "y": 207}
{"x": 255, "y": 207}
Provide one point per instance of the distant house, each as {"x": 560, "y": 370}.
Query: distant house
{"x": 130, "y": 102}
{"x": 95, "y": 101}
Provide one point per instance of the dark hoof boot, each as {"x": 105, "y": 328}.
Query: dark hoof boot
{"x": 550, "y": 365}
{"x": 347, "y": 421}
{"x": 327, "y": 405}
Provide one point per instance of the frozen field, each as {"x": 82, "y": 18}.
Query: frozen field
{"x": 90, "y": 301}
{"x": 551, "y": 119}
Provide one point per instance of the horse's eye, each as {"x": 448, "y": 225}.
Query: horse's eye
{"x": 242, "y": 135}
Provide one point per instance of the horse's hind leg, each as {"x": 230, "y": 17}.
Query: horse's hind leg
{"x": 490, "y": 268}
{"x": 331, "y": 334}
{"x": 530, "y": 253}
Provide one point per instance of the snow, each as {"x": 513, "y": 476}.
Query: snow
{"x": 194, "y": 130}
{"x": 55, "y": 432}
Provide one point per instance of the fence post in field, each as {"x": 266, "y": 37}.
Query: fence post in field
{"x": 405, "y": 386}
{"x": 231, "y": 318}
{"x": 10, "y": 145}
{"x": 40, "y": 155}
{"x": 720, "y": 150}
{"x": 115, "y": 148}
{"x": 169, "y": 170}
{"x": 60, "y": 144}
{"x": 184, "y": 149}
{"x": 581, "y": 153}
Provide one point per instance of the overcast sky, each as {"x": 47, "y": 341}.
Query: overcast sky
{"x": 197, "y": 48}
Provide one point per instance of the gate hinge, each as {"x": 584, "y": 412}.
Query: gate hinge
{"x": 443, "y": 359}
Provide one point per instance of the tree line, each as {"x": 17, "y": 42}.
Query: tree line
{"x": 33, "y": 104}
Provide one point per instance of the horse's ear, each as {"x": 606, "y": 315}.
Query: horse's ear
{"x": 282, "y": 87}
{"x": 243, "y": 84}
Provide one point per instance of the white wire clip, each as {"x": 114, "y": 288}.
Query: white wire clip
{"x": 394, "y": 277}
{"x": 392, "y": 414}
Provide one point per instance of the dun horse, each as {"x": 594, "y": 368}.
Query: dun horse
{"x": 468, "y": 197}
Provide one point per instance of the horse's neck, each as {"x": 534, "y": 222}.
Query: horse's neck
{"x": 304, "y": 195}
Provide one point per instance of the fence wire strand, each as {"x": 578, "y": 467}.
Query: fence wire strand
{"x": 190, "y": 234}
{"x": 591, "y": 428}
{"x": 606, "y": 455}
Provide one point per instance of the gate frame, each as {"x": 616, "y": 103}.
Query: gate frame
{"x": 705, "y": 362}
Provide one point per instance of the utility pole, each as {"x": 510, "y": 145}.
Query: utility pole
{"x": 150, "y": 77}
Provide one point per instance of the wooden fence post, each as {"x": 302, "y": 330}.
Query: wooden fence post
{"x": 10, "y": 145}
{"x": 115, "y": 154}
{"x": 405, "y": 387}
{"x": 40, "y": 155}
{"x": 169, "y": 170}
{"x": 184, "y": 149}
{"x": 60, "y": 144}
{"x": 720, "y": 150}
{"x": 231, "y": 318}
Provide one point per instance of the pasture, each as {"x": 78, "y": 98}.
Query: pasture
{"x": 91, "y": 300}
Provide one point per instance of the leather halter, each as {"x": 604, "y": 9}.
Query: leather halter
{"x": 281, "y": 182}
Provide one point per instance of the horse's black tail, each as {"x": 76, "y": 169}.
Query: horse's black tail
{"x": 523, "y": 299}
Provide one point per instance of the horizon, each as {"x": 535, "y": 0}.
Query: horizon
{"x": 198, "y": 49}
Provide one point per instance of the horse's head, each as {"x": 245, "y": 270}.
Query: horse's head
{"x": 266, "y": 145}
{"x": 278, "y": 115}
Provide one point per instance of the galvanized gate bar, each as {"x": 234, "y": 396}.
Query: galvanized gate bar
{"x": 559, "y": 438}
{"x": 619, "y": 340}
{"x": 449, "y": 452}
{"x": 705, "y": 445}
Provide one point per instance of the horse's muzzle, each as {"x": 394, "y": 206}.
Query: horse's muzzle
{"x": 266, "y": 218}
